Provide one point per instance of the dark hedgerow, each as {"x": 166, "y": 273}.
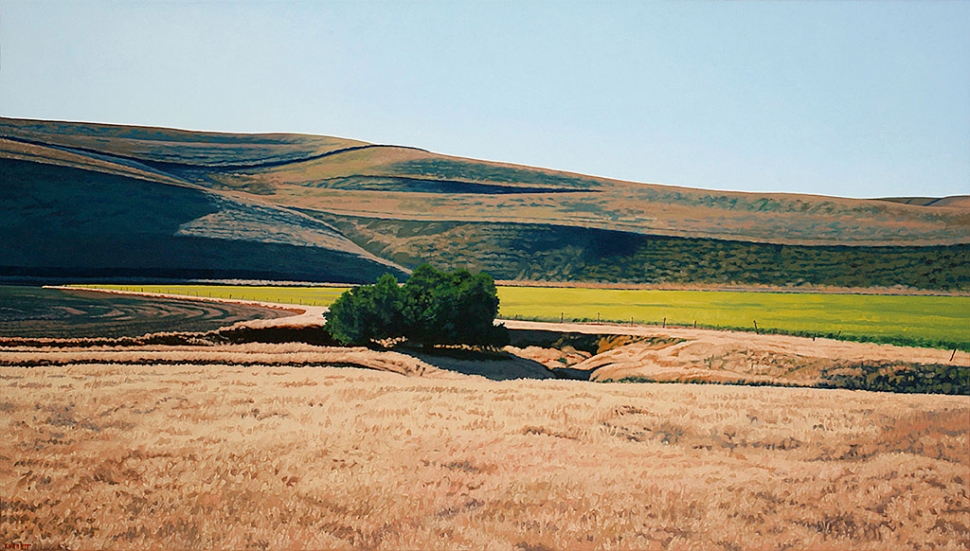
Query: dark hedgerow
{"x": 433, "y": 308}
{"x": 876, "y": 377}
{"x": 906, "y": 379}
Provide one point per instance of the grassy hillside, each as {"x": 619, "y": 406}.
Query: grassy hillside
{"x": 64, "y": 222}
{"x": 408, "y": 206}
{"x": 415, "y": 185}
{"x": 567, "y": 253}
{"x": 173, "y": 147}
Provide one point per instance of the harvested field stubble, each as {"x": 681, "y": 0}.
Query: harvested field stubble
{"x": 202, "y": 457}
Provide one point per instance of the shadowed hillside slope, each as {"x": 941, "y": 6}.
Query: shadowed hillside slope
{"x": 549, "y": 252}
{"x": 345, "y": 199}
{"x": 64, "y": 222}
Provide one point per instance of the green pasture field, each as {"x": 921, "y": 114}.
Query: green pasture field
{"x": 917, "y": 319}
{"x": 904, "y": 319}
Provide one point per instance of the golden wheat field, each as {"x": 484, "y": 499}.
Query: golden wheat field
{"x": 198, "y": 456}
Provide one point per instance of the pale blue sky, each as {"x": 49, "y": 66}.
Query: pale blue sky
{"x": 858, "y": 99}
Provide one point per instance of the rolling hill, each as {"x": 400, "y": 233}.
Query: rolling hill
{"x": 105, "y": 201}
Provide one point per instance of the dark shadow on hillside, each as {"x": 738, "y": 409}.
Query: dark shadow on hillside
{"x": 497, "y": 366}
{"x": 68, "y": 223}
{"x": 425, "y": 185}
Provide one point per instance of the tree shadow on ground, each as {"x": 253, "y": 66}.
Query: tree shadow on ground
{"x": 497, "y": 366}
{"x": 572, "y": 373}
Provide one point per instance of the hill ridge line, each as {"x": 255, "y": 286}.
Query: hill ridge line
{"x": 160, "y": 164}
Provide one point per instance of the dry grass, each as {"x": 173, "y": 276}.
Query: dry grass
{"x": 203, "y": 457}
{"x": 250, "y": 355}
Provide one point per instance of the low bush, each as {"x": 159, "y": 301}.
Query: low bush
{"x": 905, "y": 379}
{"x": 433, "y": 308}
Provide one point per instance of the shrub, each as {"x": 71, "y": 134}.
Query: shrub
{"x": 367, "y": 313}
{"x": 433, "y": 308}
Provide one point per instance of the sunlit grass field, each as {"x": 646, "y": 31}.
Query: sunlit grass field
{"x": 199, "y": 457}
{"x": 309, "y": 296}
{"x": 934, "y": 319}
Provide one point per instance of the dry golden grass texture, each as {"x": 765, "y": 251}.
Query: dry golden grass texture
{"x": 271, "y": 457}
{"x": 707, "y": 360}
{"x": 700, "y": 342}
{"x": 252, "y": 354}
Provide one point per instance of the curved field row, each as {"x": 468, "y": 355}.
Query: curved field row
{"x": 297, "y": 355}
{"x": 37, "y": 312}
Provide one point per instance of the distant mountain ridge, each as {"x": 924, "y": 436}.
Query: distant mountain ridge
{"x": 302, "y": 207}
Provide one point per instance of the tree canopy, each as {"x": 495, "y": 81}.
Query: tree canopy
{"x": 432, "y": 308}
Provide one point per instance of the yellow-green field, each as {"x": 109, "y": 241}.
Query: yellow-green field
{"x": 934, "y": 318}
{"x": 920, "y": 318}
{"x": 309, "y": 296}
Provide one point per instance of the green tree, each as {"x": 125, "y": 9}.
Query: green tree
{"x": 426, "y": 307}
{"x": 367, "y": 313}
{"x": 433, "y": 308}
{"x": 475, "y": 307}
{"x": 452, "y": 308}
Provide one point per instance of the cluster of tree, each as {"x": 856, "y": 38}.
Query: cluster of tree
{"x": 432, "y": 308}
